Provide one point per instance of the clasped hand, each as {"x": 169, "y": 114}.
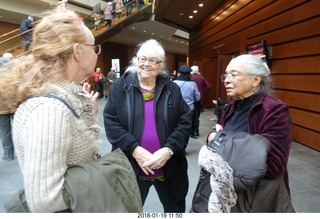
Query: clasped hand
{"x": 149, "y": 162}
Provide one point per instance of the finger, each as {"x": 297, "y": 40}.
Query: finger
{"x": 149, "y": 170}
{"x": 145, "y": 171}
{"x": 148, "y": 163}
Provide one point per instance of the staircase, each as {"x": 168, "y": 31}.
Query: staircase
{"x": 12, "y": 41}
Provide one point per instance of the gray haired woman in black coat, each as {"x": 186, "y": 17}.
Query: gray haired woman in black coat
{"x": 146, "y": 116}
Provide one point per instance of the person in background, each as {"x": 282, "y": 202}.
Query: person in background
{"x": 119, "y": 6}
{"x": 204, "y": 88}
{"x": 6, "y": 116}
{"x": 147, "y": 117}
{"x": 98, "y": 81}
{"x": 140, "y": 3}
{"x": 112, "y": 75}
{"x": 48, "y": 136}
{"x": 252, "y": 108}
{"x": 174, "y": 75}
{"x": 108, "y": 14}
{"x": 97, "y": 13}
{"x": 189, "y": 91}
{"x": 25, "y": 27}
{"x": 129, "y": 6}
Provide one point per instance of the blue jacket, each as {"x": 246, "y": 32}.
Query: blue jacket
{"x": 25, "y": 25}
{"x": 123, "y": 120}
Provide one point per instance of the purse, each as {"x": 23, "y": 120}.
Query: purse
{"x": 245, "y": 153}
{"x": 247, "y": 156}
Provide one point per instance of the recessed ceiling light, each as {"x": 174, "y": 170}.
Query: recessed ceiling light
{"x": 181, "y": 14}
{"x": 195, "y": 11}
{"x": 201, "y": 5}
{"x": 190, "y": 16}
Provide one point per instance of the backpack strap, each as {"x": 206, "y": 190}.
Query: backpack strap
{"x": 57, "y": 98}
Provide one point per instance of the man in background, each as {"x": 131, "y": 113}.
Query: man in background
{"x": 6, "y": 115}
{"x": 189, "y": 91}
{"x": 25, "y": 27}
{"x": 98, "y": 79}
{"x": 203, "y": 87}
{"x": 97, "y": 15}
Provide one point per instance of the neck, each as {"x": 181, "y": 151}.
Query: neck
{"x": 147, "y": 85}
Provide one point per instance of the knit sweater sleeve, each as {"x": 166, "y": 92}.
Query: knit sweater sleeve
{"x": 45, "y": 132}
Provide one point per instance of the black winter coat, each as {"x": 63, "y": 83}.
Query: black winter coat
{"x": 123, "y": 120}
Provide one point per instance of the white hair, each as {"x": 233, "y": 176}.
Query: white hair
{"x": 195, "y": 69}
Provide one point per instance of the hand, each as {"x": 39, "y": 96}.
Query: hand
{"x": 142, "y": 155}
{"x": 86, "y": 87}
{"x": 218, "y": 127}
{"x": 158, "y": 159}
{"x": 212, "y": 134}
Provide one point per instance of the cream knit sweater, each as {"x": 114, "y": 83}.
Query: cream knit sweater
{"x": 48, "y": 138}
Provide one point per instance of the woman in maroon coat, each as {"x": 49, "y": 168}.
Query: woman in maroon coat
{"x": 252, "y": 108}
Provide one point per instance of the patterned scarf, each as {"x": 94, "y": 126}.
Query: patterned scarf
{"x": 147, "y": 94}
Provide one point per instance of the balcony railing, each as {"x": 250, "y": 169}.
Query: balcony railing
{"x": 12, "y": 41}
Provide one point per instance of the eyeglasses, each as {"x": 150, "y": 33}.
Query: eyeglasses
{"x": 151, "y": 61}
{"x": 96, "y": 48}
{"x": 232, "y": 76}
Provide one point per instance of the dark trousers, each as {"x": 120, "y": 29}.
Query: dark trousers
{"x": 109, "y": 22}
{"x": 6, "y": 137}
{"x": 165, "y": 193}
{"x": 99, "y": 88}
{"x": 196, "y": 117}
{"x": 27, "y": 39}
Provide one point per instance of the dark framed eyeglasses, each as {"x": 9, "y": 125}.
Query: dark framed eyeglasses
{"x": 96, "y": 48}
{"x": 152, "y": 61}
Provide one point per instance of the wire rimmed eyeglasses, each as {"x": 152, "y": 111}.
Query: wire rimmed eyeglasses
{"x": 152, "y": 61}
{"x": 96, "y": 48}
{"x": 232, "y": 76}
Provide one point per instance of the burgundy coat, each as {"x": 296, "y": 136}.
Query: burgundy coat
{"x": 270, "y": 118}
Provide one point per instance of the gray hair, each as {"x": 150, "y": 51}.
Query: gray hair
{"x": 255, "y": 66}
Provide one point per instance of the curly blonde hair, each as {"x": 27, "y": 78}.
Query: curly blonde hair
{"x": 52, "y": 46}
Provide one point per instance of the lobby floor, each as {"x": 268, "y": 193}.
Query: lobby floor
{"x": 304, "y": 171}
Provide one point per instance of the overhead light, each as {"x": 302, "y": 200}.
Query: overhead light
{"x": 200, "y": 5}
{"x": 181, "y": 14}
{"x": 195, "y": 11}
{"x": 190, "y": 16}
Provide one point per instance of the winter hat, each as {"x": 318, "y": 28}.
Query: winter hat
{"x": 185, "y": 69}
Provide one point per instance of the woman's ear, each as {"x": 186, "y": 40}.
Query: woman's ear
{"x": 256, "y": 81}
{"x": 76, "y": 51}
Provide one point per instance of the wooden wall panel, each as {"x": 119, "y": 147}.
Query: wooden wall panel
{"x": 296, "y": 65}
{"x": 310, "y": 83}
{"x": 291, "y": 29}
{"x": 298, "y": 31}
{"x": 305, "y": 119}
{"x": 306, "y": 137}
{"x": 300, "y": 100}
{"x": 304, "y": 47}
{"x": 286, "y": 18}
